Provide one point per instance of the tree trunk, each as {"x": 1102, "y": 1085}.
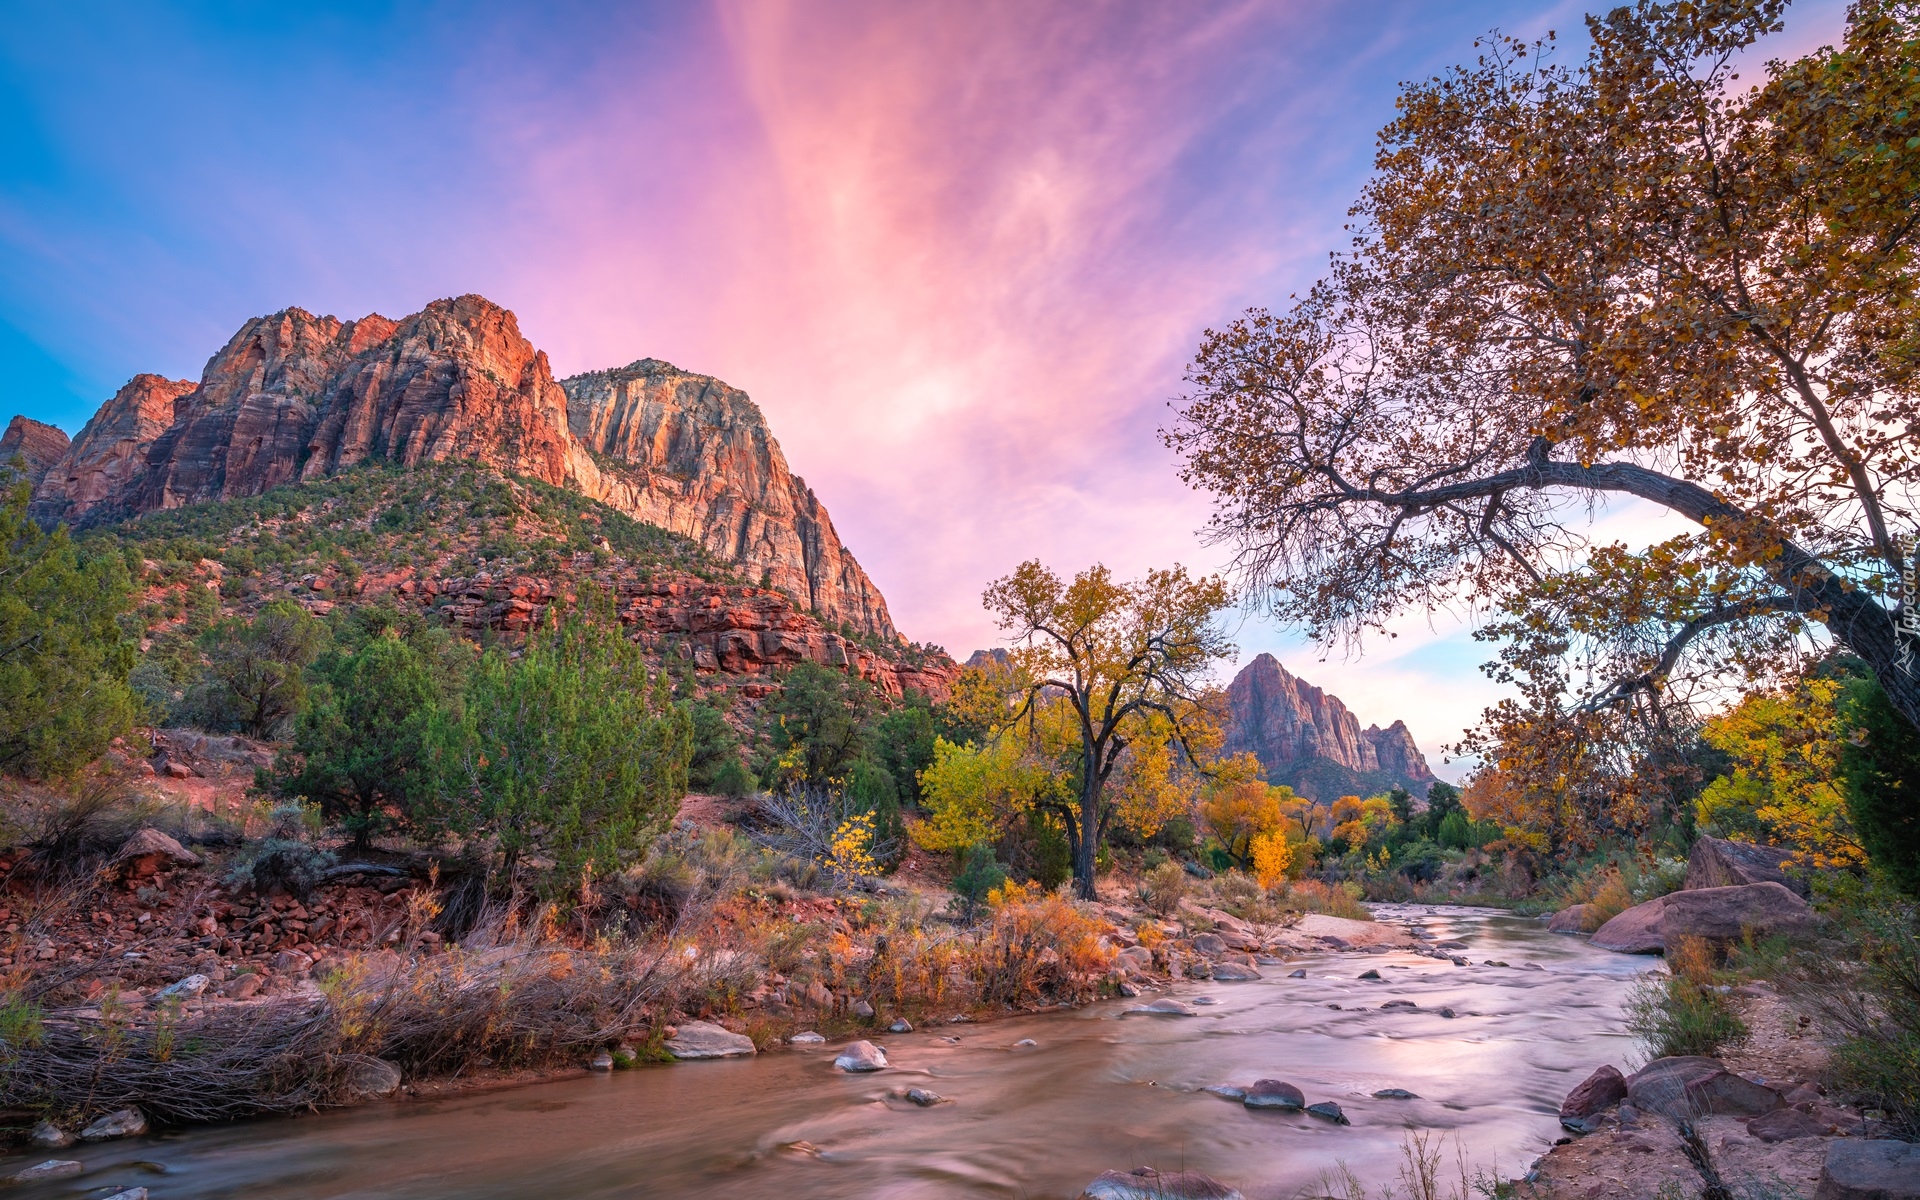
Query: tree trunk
{"x": 1084, "y": 853}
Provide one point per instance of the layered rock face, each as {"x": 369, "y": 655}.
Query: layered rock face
{"x": 297, "y": 397}
{"x": 37, "y": 446}
{"x": 1308, "y": 739}
{"x": 99, "y": 476}
{"x": 695, "y": 456}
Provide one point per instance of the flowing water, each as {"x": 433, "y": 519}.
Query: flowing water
{"x": 1099, "y": 1089}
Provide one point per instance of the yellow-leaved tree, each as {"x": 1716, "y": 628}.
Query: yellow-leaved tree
{"x": 1783, "y": 789}
{"x": 1124, "y": 666}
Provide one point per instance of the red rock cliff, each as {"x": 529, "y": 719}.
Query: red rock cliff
{"x": 294, "y": 397}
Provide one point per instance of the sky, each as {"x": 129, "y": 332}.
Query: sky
{"x": 959, "y": 253}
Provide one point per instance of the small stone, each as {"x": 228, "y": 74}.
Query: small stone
{"x": 601, "y": 1061}
{"x": 1165, "y": 1007}
{"x": 900, "y": 1025}
{"x": 863, "y": 1010}
{"x": 703, "y": 1039}
{"x": 1225, "y": 1091}
{"x": 1145, "y": 1183}
{"x": 1205, "y": 1000}
{"x": 186, "y": 989}
{"x": 1274, "y": 1093}
{"x": 1369, "y": 974}
{"x": 1785, "y": 1124}
{"x": 1399, "y": 1004}
{"x": 53, "y": 1168}
{"x": 923, "y": 1097}
{"x": 861, "y": 1056}
{"x": 806, "y": 1037}
{"x": 1297, "y": 973}
{"x": 127, "y": 1122}
{"x": 1394, "y": 1094}
{"x": 1448, "y": 1013}
{"x": 49, "y": 1136}
{"x": 137, "y": 1193}
{"x": 1327, "y": 1110}
{"x": 1233, "y": 972}
{"x": 1025, "y": 1042}
{"x": 373, "y": 1078}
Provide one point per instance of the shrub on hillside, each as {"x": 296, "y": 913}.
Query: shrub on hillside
{"x": 1880, "y": 760}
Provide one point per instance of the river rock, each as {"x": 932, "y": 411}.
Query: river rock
{"x": 1274, "y": 1093}
{"x": 53, "y": 1168}
{"x": 127, "y": 1122}
{"x": 1719, "y": 862}
{"x": 1134, "y": 958}
{"x": 1327, "y": 1110}
{"x": 1210, "y": 943}
{"x": 1145, "y": 1183}
{"x": 1399, "y": 1004}
{"x": 703, "y": 1039}
{"x": 1785, "y": 1124}
{"x": 1369, "y": 974}
{"x": 1682, "y": 1088}
{"x": 806, "y": 1037}
{"x": 1225, "y": 1091}
{"x": 861, "y": 1056}
{"x": 924, "y": 1098}
{"x": 1717, "y": 913}
{"x": 1571, "y": 920}
{"x": 1297, "y": 973}
{"x": 602, "y": 1060}
{"x": 1858, "y": 1169}
{"x": 1598, "y": 1092}
{"x": 863, "y": 1010}
{"x": 135, "y": 1193}
{"x": 1166, "y": 1006}
{"x": 1394, "y": 1094}
{"x": 1233, "y": 972}
{"x": 369, "y": 1078}
{"x": 900, "y": 1025}
{"x": 49, "y": 1136}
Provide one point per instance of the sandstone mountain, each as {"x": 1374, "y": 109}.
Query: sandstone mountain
{"x": 36, "y": 445}
{"x": 293, "y": 397}
{"x": 1308, "y": 740}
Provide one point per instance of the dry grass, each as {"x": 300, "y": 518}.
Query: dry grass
{"x": 1332, "y": 899}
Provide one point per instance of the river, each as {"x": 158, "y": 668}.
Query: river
{"x": 1099, "y": 1089}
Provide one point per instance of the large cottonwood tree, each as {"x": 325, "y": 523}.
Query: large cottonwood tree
{"x": 1132, "y": 662}
{"x": 1638, "y": 277}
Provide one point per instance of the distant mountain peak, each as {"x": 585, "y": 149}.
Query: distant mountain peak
{"x": 1309, "y": 740}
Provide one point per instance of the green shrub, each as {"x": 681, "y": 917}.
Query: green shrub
{"x": 980, "y": 872}
{"x": 1673, "y": 1015}
{"x": 1880, "y": 761}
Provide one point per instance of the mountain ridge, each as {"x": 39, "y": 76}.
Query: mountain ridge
{"x": 296, "y": 397}
{"x": 1307, "y": 738}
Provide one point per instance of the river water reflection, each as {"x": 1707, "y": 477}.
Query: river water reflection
{"x": 1099, "y": 1090}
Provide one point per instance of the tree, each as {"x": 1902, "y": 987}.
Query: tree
{"x": 64, "y": 661}
{"x": 255, "y": 679}
{"x": 571, "y": 749}
{"x": 1783, "y": 786}
{"x": 1629, "y": 279}
{"x": 360, "y": 750}
{"x": 1128, "y": 661}
{"x": 820, "y": 726}
{"x": 1237, "y": 806}
{"x": 1880, "y": 761}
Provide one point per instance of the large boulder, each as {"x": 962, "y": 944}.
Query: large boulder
{"x": 1600, "y": 1091}
{"x": 1686, "y": 1087}
{"x": 1717, "y": 913}
{"x": 1274, "y": 1093}
{"x": 1575, "y": 919}
{"x": 1718, "y": 862}
{"x": 127, "y": 1122}
{"x": 703, "y": 1039}
{"x": 1145, "y": 1183}
{"x": 150, "y": 851}
{"x": 1870, "y": 1170}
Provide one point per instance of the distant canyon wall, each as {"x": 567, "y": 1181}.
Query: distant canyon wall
{"x": 1307, "y": 739}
